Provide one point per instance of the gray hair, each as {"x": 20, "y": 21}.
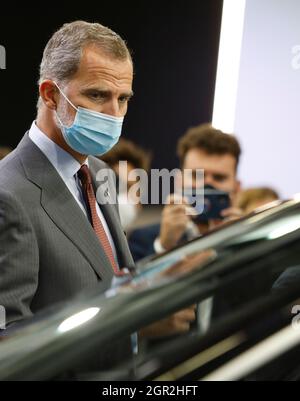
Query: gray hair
{"x": 64, "y": 50}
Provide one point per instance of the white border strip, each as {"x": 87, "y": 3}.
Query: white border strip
{"x": 228, "y": 69}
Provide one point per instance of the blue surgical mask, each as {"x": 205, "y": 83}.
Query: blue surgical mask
{"x": 91, "y": 133}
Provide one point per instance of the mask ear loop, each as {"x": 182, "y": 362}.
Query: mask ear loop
{"x": 68, "y": 100}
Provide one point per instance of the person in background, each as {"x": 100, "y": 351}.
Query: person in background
{"x": 136, "y": 158}
{"x": 252, "y": 198}
{"x": 4, "y": 151}
{"x": 202, "y": 147}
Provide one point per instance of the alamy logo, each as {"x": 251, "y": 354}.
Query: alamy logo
{"x": 2, "y": 318}
{"x": 296, "y": 57}
{"x": 189, "y": 187}
{"x": 2, "y": 58}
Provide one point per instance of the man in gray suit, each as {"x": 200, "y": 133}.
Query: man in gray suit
{"x": 49, "y": 248}
{"x": 55, "y": 239}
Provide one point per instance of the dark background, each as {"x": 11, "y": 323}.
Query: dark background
{"x": 175, "y": 47}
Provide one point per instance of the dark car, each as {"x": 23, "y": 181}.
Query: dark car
{"x": 244, "y": 277}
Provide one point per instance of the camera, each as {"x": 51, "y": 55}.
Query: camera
{"x": 211, "y": 205}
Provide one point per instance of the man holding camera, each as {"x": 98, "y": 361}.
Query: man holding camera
{"x": 206, "y": 148}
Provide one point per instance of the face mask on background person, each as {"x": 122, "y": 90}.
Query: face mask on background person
{"x": 128, "y": 211}
{"x": 91, "y": 133}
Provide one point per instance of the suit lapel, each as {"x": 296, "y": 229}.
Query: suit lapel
{"x": 62, "y": 208}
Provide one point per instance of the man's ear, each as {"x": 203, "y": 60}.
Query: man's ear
{"x": 237, "y": 190}
{"x": 49, "y": 94}
{"x": 238, "y": 187}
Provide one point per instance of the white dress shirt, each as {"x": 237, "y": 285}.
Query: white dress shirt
{"x": 67, "y": 167}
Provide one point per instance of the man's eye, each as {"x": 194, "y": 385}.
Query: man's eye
{"x": 219, "y": 178}
{"x": 95, "y": 95}
{"x": 124, "y": 99}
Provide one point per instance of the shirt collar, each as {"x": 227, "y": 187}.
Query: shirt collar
{"x": 62, "y": 161}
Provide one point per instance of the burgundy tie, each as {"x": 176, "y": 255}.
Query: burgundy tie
{"x": 88, "y": 191}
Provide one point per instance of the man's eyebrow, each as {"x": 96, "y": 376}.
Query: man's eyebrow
{"x": 223, "y": 175}
{"x": 127, "y": 94}
{"x": 106, "y": 92}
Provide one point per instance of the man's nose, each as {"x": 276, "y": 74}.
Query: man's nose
{"x": 112, "y": 108}
{"x": 208, "y": 180}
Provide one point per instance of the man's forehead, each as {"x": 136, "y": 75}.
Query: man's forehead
{"x": 215, "y": 163}
{"x": 96, "y": 66}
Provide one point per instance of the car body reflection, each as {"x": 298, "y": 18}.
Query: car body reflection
{"x": 234, "y": 267}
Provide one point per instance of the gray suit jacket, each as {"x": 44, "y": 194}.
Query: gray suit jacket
{"x": 48, "y": 249}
